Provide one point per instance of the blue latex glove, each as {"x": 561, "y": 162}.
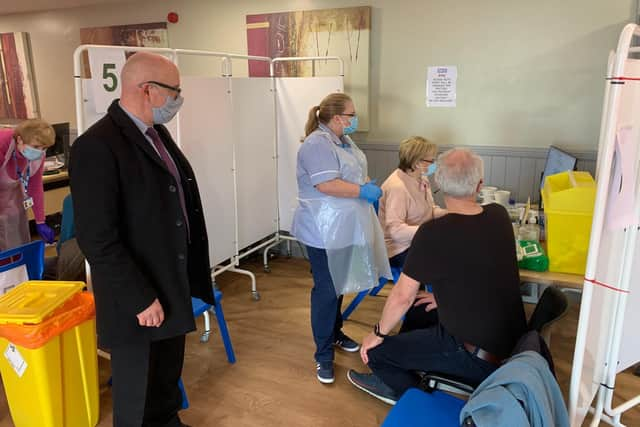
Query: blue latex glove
{"x": 46, "y": 232}
{"x": 370, "y": 192}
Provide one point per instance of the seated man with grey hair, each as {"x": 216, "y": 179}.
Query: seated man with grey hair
{"x": 469, "y": 258}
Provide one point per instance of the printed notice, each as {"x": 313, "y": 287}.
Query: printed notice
{"x": 441, "y": 86}
{"x": 106, "y": 65}
{"x": 15, "y": 359}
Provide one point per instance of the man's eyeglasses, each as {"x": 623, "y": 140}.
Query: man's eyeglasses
{"x": 176, "y": 89}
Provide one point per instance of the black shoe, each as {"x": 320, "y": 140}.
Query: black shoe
{"x": 346, "y": 344}
{"x": 369, "y": 383}
{"x": 324, "y": 372}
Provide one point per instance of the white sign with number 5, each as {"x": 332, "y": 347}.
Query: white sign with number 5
{"x": 106, "y": 65}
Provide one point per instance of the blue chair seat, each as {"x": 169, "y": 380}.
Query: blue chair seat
{"x": 419, "y": 409}
{"x": 199, "y": 306}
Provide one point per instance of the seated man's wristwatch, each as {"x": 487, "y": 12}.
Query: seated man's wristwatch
{"x": 376, "y": 331}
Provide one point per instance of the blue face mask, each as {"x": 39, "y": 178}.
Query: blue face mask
{"x": 431, "y": 169}
{"x": 352, "y": 127}
{"x": 168, "y": 111}
{"x": 31, "y": 153}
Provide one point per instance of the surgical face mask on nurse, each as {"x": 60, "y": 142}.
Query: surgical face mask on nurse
{"x": 352, "y": 125}
{"x": 28, "y": 152}
{"x": 31, "y": 153}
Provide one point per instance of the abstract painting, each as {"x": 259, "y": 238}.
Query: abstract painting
{"x": 18, "y": 98}
{"x": 142, "y": 35}
{"x": 342, "y": 32}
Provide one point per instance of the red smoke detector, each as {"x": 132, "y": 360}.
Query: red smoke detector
{"x": 172, "y": 17}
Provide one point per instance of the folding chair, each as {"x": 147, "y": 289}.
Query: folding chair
{"x": 201, "y": 308}
{"x": 395, "y": 272}
{"x": 31, "y": 255}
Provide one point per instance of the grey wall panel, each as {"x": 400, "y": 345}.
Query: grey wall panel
{"x": 498, "y": 171}
{"x": 512, "y": 176}
{"x": 516, "y": 169}
{"x": 526, "y": 178}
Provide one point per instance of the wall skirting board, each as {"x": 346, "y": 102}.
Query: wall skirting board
{"x": 517, "y": 169}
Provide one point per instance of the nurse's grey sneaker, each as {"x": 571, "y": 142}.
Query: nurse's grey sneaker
{"x": 325, "y": 372}
{"x": 371, "y": 384}
{"x": 346, "y": 344}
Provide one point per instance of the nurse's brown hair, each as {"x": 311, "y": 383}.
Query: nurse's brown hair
{"x": 332, "y": 105}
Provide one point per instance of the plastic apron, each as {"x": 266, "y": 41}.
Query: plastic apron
{"x": 349, "y": 228}
{"x": 14, "y": 225}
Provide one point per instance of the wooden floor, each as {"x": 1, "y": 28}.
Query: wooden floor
{"x": 273, "y": 383}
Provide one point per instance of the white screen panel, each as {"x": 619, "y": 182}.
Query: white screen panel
{"x": 599, "y": 326}
{"x": 91, "y": 116}
{"x": 254, "y": 138}
{"x": 206, "y": 139}
{"x": 630, "y": 344}
{"x": 295, "y": 97}
{"x": 89, "y": 112}
{"x": 630, "y": 117}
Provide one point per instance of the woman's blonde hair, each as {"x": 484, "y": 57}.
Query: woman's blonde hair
{"x": 36, "y": 131}
{"x": 414, "y": 149}
{"x": 330, "y": 106}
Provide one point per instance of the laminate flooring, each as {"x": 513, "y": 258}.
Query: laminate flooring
{"x": 273, "y": 382}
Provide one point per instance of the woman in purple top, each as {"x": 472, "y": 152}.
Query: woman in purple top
{"x": 22, "y": 153}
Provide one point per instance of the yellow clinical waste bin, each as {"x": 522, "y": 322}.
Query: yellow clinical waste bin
{"x": 569, "y": 198}
{"x": 49, "y": 366}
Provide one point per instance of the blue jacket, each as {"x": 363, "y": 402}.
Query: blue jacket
{"x": 522, "y": 392}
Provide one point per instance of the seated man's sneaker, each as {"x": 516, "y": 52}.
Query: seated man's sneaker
{"x": 325, "y": 372}
{"x": 369, "y": 383}
{"x": 345, "y": 343}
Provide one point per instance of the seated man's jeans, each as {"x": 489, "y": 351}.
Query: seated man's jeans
{"x": 433, "y": 349}
{"x": 418, "y": 318}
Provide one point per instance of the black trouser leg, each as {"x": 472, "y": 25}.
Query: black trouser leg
{"x": 145, "y": 383}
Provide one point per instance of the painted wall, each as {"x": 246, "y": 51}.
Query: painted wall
{"x": 530, "y": 74}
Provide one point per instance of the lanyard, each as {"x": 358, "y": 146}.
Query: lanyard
{"x": 24, "y": 179}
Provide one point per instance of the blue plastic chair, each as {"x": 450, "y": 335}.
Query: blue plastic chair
{"x": 201, "y": 308}
{"x": 183, "y": 393}
{"x": 30, "y": 255}
{"x": 419, "y": 409}
{"x": 67, "y": 226}
{"x": 395, "y": 272}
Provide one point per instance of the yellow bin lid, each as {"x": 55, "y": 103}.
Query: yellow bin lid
{"x": 33, "y": 301}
